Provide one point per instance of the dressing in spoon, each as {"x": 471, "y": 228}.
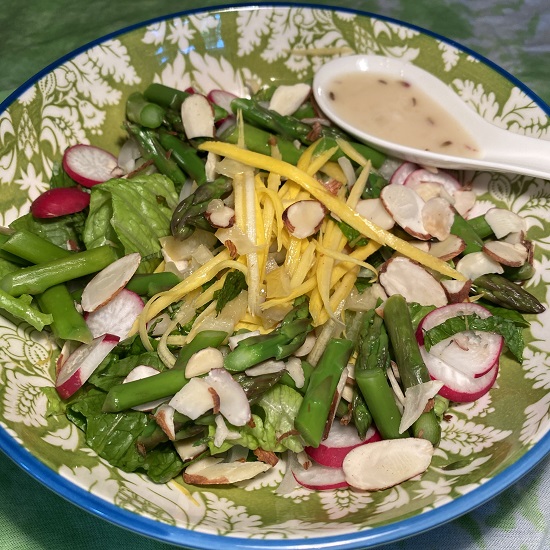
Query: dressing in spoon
{"x": 409, "y": 113}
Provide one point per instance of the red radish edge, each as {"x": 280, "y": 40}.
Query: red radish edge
{"x": 340, "y": 441}
{"x": 60, "y": 202}
{"x": 222, "y": 99}
{"x": 469, "y": 359}
{"x": 82, "y": 363}
{"x": 117, "y": 316}
{"x": 402, "y": 172}
{"x": 88, "y": 165}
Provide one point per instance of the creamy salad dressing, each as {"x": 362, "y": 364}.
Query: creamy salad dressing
{"x": 395, "y": 110}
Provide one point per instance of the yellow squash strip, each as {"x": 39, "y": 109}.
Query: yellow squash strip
{"x": 319, "y": 161}
{"x": 292, "y": 258}
{"x": 335, "y": 205}
{"x": 341, "y": 257}
{"x": 160, "y": 267}
{"x": 304, "y": 288}
{"x": 350, "y": 152}
{"x": 202, "y": 275}
{"x": 306, "y": 263}
{"x": 333, "y": 170}
{"x": 339, "y": 296}
{"x": 358, "y": 187}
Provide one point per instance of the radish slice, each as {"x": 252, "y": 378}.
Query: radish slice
{"x": 82, "y": 363}
{"x": 320, "y": 478}
{"x": 222, "y": 98}
{"x": 340, "y": 441}
{"x": 458, "y": 387}
{"x": 109, "y": 282}
{"x": 472, "y": 353}
{"x": 403, "y": 172}
{"x": 60, "y": 202}
{"x": 441, "y": 177}
{"x": 88, "y": 165}
{"x": 117, "y": 316}
{"x": 387, "y": 463}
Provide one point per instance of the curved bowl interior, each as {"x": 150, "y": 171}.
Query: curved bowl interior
{"x": 486, "y": 445}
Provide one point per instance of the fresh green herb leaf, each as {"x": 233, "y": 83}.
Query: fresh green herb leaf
{"x": 352, "y": 235}
{"x": 375, "y": 184}
{"x": 418, "y": 312}
{"x": 234, "y": 283}
{"x": 511, "y": 333}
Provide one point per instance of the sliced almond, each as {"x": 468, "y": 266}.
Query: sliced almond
{"x": 234, "y": 403}
{"x": 197, "y": 116}
{"x": 438, "y": 217}
{"x": 476, "y": 264}
{"x": 219, "y": 215}
{"x": 204, "y": 361}
{"x": 194, "y": 399}
{"x": 457, "y": 291}
{"x": 383, "y": 464}
{"x": 428, "y": 190}
{"x": 187, "y": 449}
{"x": 503, "y": 222}
{"x": 164, "y": 417}
{"x": 270, "y": 366}
{"x": 106, "y": 284}
{"x": 405, "y": 207}
{"x": 464, "y": 201}
{"x": 448, "y": 249}
{"x": 304, "y": 218}
{"x": 286, "y": 99}
{"x": 400, "y": 275}
{"x": 221, "y": 473}
{"x": 513, "y": 255}
{"x": 374, "y": 211}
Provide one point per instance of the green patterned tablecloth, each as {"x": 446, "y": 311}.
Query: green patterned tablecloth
{"x": 515, "y": 34}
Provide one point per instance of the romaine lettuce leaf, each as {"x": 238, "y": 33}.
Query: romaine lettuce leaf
{"x": 279, "y": 407}
{"x": 131, "y": 215}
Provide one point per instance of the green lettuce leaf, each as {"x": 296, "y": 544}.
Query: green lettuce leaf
{"x": 113, "y": 437}
{"x": 273, "y": 416}
{"x": 508, "y": 329}
{"x": 131, "y": 215}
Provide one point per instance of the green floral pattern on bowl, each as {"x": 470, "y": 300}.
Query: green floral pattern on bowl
{"x": 82, "y": 100}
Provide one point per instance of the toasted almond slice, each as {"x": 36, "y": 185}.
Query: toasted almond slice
{"x": 438, "y": 217}
{"x": 405, "y": 207}
{"x": 106, "y": 284}
{"x": 476, "y": 264}
{"x": 513, "y": 255}
{"x": 386, "y": 463}
{"x": 270, "y": 366}
{"x": 400, "y": 275}
{"x": 187, "y": 449}
{"x": 503, "y": 222}
{"x": 304, "y": 218}
{"x": 422, "y": 245}
{"x": 428, "y": 190}
{"x": 448, "y": 249}
{"x": 204, "y": 361}
{"x": 374, "y": 210}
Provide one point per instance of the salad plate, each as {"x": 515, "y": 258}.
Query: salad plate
{"x": 486, "y": 445}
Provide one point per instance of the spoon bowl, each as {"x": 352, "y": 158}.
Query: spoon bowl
{"x": 499, "y": 150}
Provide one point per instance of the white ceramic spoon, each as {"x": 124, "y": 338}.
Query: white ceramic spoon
{"x": 500, "y": 150}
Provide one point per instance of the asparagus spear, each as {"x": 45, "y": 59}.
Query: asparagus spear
{"x": 499, "y": 290}
{"x": 370, "y": 375}
{"x": 412, "y": 369}
{"x": 143, "y": 112}
{"x": 362, "y": 418}
{"x": 189, "y": 213}
{"x": 153, "y": 150}
{"x": 278, "y": 344}
{"x": 149, "y": 284}
{"x": 315, "y": 408}
{"x": 37, "y": 278}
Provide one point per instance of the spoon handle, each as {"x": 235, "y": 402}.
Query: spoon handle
{"x": 510, "y": 152}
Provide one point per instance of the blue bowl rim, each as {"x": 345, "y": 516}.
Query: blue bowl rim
{"x": 367, "y": 538}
